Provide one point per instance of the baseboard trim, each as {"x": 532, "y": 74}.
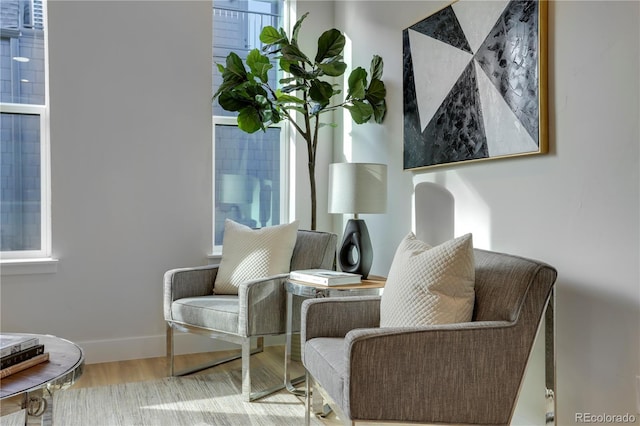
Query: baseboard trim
{"x": 109, "y": 350}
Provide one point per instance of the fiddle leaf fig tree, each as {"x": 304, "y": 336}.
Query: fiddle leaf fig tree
{"x": 305, "y": 94}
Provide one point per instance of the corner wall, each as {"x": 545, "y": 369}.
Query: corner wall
{"x": 576, "y": 208}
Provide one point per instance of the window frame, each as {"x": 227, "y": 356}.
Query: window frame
{"x": 16, "y": 262}
{"x": 285, "y": 132}
{"x": 45, "y": 181}
{"x": 288, "y": 7}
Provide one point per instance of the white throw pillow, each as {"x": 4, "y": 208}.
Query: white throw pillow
{"x": 429, "y": 285}
{"x": 248, "y": 254}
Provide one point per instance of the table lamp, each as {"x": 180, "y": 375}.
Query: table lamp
{"x": 356, "y": 188}
{"x": 236, "y": 192}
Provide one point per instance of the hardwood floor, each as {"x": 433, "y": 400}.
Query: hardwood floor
{"x": 110, "y": 373}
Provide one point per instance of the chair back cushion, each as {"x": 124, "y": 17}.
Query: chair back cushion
{"x": 429, "y": 285}
{"x": 248, "y": 254}
{"x": 502, "y": 283}
{"x": 314, "y": 250}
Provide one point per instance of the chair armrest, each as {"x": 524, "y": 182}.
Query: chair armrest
{"x": 187, "y": 282}
{"x": 336, "y": 316}
{"x": 262, "y": 306}
{"x": 451, "y": 366}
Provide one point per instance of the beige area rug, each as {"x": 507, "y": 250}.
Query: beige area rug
{"x": 13, "y": 419}
{"x": 212, "y": 399}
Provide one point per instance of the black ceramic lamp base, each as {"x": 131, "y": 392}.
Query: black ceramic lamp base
{"x": 356, "y": 253}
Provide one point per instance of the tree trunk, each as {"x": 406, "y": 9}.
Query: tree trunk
{"x": 312, "y": 182}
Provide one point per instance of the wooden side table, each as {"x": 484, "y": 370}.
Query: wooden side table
{"x": 65, "y": 365}
{"x": 370, "y": 287}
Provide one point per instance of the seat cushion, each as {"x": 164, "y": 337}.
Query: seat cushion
{"x": 248, "y": 254}
{"x": 217, "y": 312}
{"x": 429, "y": 285}
{"x": 324, "y": 359}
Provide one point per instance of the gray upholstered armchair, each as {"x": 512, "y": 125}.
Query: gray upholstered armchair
{"x": 258, "y": 310}
{"x": 464, "y": 373}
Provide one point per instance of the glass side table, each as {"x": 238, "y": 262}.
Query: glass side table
{"x": 372, "y": 286}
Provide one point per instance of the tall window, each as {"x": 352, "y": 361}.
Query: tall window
{"x": 249, "y": 168}
{"x": 24, "y": 207}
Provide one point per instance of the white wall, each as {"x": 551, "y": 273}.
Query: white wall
{"x": 131, "y": 172}
{"x": 575, "y": 208}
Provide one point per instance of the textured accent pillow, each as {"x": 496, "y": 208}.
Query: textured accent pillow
{"x": 429, "y": 285}
{"x": 248, "y": 254}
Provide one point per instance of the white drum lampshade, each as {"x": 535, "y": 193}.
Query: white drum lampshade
{"x": 357, "y": 188}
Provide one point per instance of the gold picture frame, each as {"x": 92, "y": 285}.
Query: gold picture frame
{"x": 475, "y": 83}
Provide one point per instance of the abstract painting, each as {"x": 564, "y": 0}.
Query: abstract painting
{"x": 474, "y": 83}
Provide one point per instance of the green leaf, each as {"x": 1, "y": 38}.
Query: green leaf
{"x": 296, "y": 29}
{"x": 333, "y": 69}
{"x": 379, "y": 111}
{"x": 235, "y": 70}
{"x": 266, "y": 116}
{"x": 291, "y": 53}
{"x": 357, "y": 83}
{"x": 285, "y": 99}
{"x": 360, "y": 111}
{"x": 295, "y": 108}
{"x": 287, "y": 80}
{"x": 376, "y": 67}
{"x": 292, "y": 88}
{"x": 321, "y": 92}
{"x": 270, "y": 35}
{"x": 285, "y": 65}
{"x": 259, "y": 65}
{"x": 263, "y": 101}
{"x": 233, "y": 75}
{"x": 275, "y": 115}
{"x": 224, "y": 87}
{"x": 376, "y": 91}
{"x": 249, "y": 120}
{"x": 232, "y": 101}
{"x": 331, "y": 43}
{"x": 298, "y": 71}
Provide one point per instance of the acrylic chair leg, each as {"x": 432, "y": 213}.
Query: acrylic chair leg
{"x": 307, "y": 400}
{"x": 550, "y": 359}
{"x": 246, "y": 370}
{"x": 317, "y": 402}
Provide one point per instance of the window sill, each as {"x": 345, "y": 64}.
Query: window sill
{"x": 215, "y": 256}
{"x": 45, "y": 265}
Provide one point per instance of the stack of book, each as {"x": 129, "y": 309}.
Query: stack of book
{"x": 325, "y": 277}
{"x": 19, "y": 353}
